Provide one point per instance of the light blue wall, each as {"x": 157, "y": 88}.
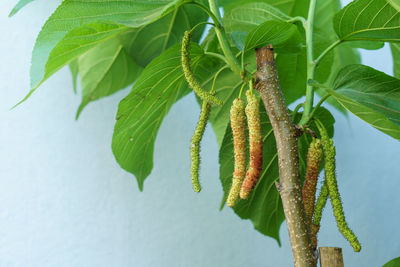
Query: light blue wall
{"x": 64, "y": 201}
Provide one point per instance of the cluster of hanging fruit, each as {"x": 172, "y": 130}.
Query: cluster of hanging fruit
{"x": 244, "y": 181}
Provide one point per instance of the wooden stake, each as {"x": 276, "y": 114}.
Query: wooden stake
{"x": 331, "y": 257}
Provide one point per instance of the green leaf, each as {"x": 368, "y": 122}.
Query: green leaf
{"x": 278, "y": 33}
{"x": 373, "y": 20}
{"x": 393, "y": 263}
{"x": 140, "y": 114}
{"x": 245, "y": 17}
{"x": 74, "y": 44}
{"x": 371, "y": 95}
{"x": 264, "y": 206}
{"x": 19, "y": 6}
{"x": 396, "y": 59}
{"x": 72, "y": 14}
{"x": 106, "y": 74}
{"x": 395, "y": 4}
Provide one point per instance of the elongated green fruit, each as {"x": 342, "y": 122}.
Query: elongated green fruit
{"x": 256, "y": 145}
{"x": 188, "y": 72}
{"x": 314, "y": 156}
{"x": 331, "y": 182}
{"x": 238, "y": 126}
{"x": 195, "y": 145}
{"x": 319, "y": 207}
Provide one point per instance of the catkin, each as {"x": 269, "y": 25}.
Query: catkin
{"x": 189, "y": 75}
{"x": 195, "y": 145}
{"x": 256, "y": 144}
{"x": 319, "y": 207}
{"x": 331, "y": 182}
{"x": 239, "y": 147}
{"x": 314, "y": 156}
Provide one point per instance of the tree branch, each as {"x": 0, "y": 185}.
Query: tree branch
{"x": 286, "y": 135}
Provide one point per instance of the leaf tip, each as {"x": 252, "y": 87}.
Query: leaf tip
{"x": 140, "y": 185}
{"x": 24, "y": 99}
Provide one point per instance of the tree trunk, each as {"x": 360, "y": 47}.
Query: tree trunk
{"x": 286, "y": 135}
{"x": 331, "y": 257}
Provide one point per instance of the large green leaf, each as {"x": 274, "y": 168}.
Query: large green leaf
{"x": 77, "y": 42}
{"x": 371, "y": 95}
{"x": 106, "y": 74}
{"x": 18, "y": 6}
{"x": 73, "y": 14}
{"x": 264, "y": 206}
{"x": 374, "y": 20}
{"x": 140, "y": 114}
{"x": 396, "y": 59}
{"x": 278, "y": 33}
{"x": 393, "y": 263}
{"x": 147, "y": 42}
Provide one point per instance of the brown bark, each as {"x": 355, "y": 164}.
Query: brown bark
{"x": 331, "y": 257}
{"x": 286, "y": 136}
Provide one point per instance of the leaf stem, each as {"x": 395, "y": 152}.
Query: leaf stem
{"x": 310, "y": 62}
{"x": 298, "y": 19}
{"x": 216, "y": 55}
{"x": 296, "y": 110}
{"x": 208, "y": 11}
{"x": 241, "y": 89}
{"x": 215, "y": 78}
{"x": 223, "y": 39}
{"x": 200, "y": 24}
{"x": 326, "y": 51}
{"x": 311, "y": 115}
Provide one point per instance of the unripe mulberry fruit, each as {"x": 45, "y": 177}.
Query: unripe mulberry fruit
{"x": 256, "y": 145}
{"x": 238, "y": 126}
{"x": 189, "y": 75}
{"x": 195, "y": 145}
{"x": 314, "y": 157}
{"x": 331, "y": 183}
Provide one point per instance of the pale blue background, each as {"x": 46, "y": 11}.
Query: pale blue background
{"x": 64, "y": 201}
